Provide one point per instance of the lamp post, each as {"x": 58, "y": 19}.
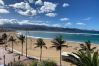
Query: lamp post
{"x": 26, "y": 43}
{"x": 4, "y": 57}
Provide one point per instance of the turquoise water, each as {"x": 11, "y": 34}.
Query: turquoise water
{"x": 81, "y": 37}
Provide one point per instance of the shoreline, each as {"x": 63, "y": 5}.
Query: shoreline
{"x": 78, "y": 41}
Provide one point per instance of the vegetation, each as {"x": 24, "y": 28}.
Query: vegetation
{"x": 58, "y": 43}
{"x": 16, "y": 64}
{"x": 87, "y": 47}
{"x": 44, "y": 63}
{"x": 87, "y": 59}
{"x": 22, "y": 39}
{"x": 34, "y": 63}
{"x": 12, "y": 40}
{"x": 40, "y": 43}
{"x": 87, "y": 56}
{"x": 4, "y": 37}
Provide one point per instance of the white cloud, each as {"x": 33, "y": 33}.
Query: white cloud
{"x": 39, "y": 2}
{"x": 27, "y": 22}
{"x": 8, "y": 21}
{"x": 48, "y": 7}
{"x": 51, "y": 14}
{"x": 31, "y": 1}
{"x": 80, "y": 23}
{"x": 1, "y": 2}
{"x": 65, "y": 5}
{"x": 4, "y": 11}
{"x": 68, "y": 24}
{"x": 2, "y": 7}
{"x": 27, "y": 12}
{"x": 88, "y": 18}
{"x": 56, "y": 25}
{"x": 64, "y": 19}
{"x": 21, "y": 5}
{"x": 24, "y": 9}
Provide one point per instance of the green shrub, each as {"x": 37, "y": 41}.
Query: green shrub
{"x": 44, "y": 63}
{"x": 16, "y": 64}
{"x": 34, "y": 63}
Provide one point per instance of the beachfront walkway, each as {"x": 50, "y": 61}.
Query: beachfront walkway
{"x": 9, "y": 57}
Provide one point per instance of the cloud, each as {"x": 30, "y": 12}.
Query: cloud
{"x": 48, "y": 7}
{"x": 65, "y": 5}
{"x": 21, "y": 5}
{"x": 31, "y": 1}
{"x": 27, "y": 12}
{"x": 4, "y": 11}
{"x": 27, "y": 22}
{"x": 64, "y": 19}
{"x": 88, "y": 18}
{"x": 51, "y": 14}
{"x": 56, "y": 25}
{"x": 2, "y": 7}
{"x": 80, "y": 23}
{"x": 1, "y": 2}
{"x": 39, "y": 2}
{"x": 8, "y": 21}
{"x": 17, "y": 22}
{"x": 68, "y": 24}
{"x": 24, "y": 9}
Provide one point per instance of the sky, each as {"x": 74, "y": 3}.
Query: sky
{"x": 81, "y": 14}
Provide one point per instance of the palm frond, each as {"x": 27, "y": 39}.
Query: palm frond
{"x": 40, "y": 43}
{"x": 58, "y": 42}
{"x": 45, "y": 47}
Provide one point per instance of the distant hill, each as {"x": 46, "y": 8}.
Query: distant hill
{"x": 44, "y": 28}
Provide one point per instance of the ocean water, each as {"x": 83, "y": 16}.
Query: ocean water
{"x": 80, "y": 37}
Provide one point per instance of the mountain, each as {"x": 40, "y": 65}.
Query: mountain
{"x": 44, "y": 28}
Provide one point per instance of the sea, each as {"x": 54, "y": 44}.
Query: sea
{"x": 79, "y": 37}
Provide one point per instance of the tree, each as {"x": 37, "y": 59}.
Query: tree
{"x": 86, "y": 56}
{"x": 58, "y": 43}
{"x": 87, "y": 47}
{"x": 88, "y": 59}
{"x": 4, "y": 37}
{"x": 22, "y": 39}
{"x": 40, "y": 43}
{"x": 12, "y": 40}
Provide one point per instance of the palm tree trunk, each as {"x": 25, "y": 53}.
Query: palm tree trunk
{"x": 5, "y": 43}
{"x": 22, "y": 48}
{"x": 12, "y": 46}
{"x": 60, "y": 58}
{"x": 4, "y": 60}
{"x": 40, "y": 54}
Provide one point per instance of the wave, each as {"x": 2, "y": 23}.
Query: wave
{"x": 86, "y": 34}
{"x": 66, "y": 33}
{"x": 37, "y": 37}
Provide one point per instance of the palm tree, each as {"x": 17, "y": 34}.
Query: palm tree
{"x": 85, "y": 59}
{"x": 86, "y": 56}
{"x": 40, "y": 43}
{"x": 12, "y": 40}
{"x": 87, "y": 47}
{"x": 4, "y": 37}
{"x": 22, "y": 39}
{"x": 58, "y": 43}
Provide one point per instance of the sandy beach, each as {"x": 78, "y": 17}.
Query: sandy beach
{"x": 50, "y": 53}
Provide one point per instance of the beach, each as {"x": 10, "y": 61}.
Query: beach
{"x": 49, "y": 53}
